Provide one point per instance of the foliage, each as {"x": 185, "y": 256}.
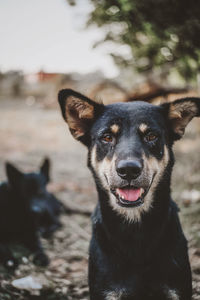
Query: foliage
{"x": 158, "y": 32}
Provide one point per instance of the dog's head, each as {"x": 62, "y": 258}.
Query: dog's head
{"x": 30, "y": 189}
{"x": 129, "y": 145}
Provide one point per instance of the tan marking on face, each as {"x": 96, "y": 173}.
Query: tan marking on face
{"x": 156, "y": 167}
{"x": 93, "y": 157}
{"x": 102, "y": 168}
{"x": 105, "y": 170}
{"x": 114, "y": 128}
{"x": 143, "y": 127}
{"x": 77, "y": 111}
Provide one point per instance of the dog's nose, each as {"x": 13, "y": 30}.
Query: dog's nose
{"x": 36, "y": 209}
{"x": 129, "y": 169}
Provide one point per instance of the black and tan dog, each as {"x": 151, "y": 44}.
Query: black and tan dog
{"x": 138, "y": 250}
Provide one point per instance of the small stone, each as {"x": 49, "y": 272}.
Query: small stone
{"x": 64, "y": 290}
{"x": 10, "y": 263}
{"x": 25, "y": 260}
{"x": 27, "y": 283}
{"x": 48, "y": 273}
{"x": 189, "y": 197}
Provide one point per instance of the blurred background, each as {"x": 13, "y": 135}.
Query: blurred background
{"x": 115, "y": 50}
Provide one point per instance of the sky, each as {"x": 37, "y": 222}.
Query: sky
{"x": 50, "y": 35}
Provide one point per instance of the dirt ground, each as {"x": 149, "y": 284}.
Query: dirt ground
{"x": 28, "y": 133}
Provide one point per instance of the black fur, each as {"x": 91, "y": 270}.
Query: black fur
{"x": 145, "y": 259}
{"x": 27, "y": 209}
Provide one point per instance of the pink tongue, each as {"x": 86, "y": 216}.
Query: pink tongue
{"x": 129, "y": 194}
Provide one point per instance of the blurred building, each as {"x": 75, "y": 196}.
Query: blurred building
{"x": 11, "y": 83}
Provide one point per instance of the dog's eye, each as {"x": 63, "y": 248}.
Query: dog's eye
{"x": 151, "y": 137}
{"x": 107, "y": 138}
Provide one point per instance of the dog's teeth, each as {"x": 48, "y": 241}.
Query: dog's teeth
{"x": 122, "y": 197}
{"x": 141, "y": 191}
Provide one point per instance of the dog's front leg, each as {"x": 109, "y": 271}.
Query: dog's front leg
{"x": 33, "y": 243}
{"x": 7, "y": 258}
{"x": 96, "y": 295}
{"x": 97, "y": 288}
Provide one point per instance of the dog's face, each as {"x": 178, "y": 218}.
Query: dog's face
{"x": 129, "y": 145}
{"x": 30, "y": 189}
{"x": 129, "y": 154}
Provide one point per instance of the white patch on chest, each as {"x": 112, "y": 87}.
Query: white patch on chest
{"x": 171, "y": 293}
{"x": 114, "y": 295}
{"x": 117, "y": 295}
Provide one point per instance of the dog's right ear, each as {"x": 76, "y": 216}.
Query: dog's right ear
{"x": 179, "y": 113}
{"x": 45, "y": 167}
{"x": 13, "y": 174}
{"x": 79, "y": 112}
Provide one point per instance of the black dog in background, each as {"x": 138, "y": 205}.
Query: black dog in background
{"x": 27, "y": 210}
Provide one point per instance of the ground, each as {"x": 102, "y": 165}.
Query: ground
{"x": 28, "y": 133}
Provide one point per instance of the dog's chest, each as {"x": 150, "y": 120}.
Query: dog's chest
{"x": 121, "y": 294}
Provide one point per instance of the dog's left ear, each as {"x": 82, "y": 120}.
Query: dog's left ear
{"x": 179, "y": 113}
{"x": 14, "y": 175}
{"x": 44, "y": 169}
{"x": 79, "y": 112}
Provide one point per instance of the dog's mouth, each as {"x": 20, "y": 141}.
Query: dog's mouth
{"x": 129, "y": 196}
